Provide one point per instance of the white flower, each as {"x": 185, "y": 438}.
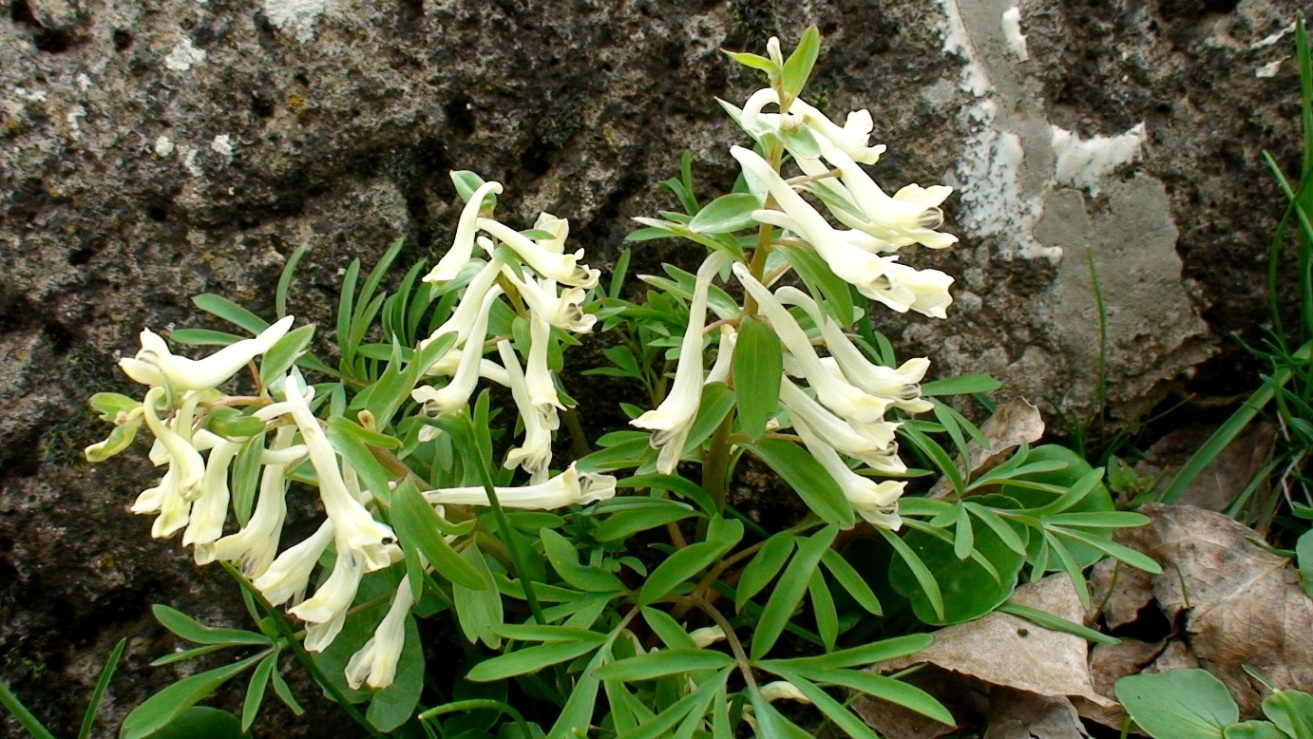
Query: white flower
{"x": 674, "y": 417}
{"x": 563, "y": 311}
{"x": 451, "y": 362}
{"x": 536, "y": 453}
{"x": 257, "y": 542}
{"x": 835, "y": 393}
{"x": 155, "y": 362}
{"x": 457, "y": 392}
{"x": 287, "y": 577}
{"x": 559, "y": 228}
{"x": 376, "y": 662}
{"x": 898, "y": 385}
{"x": 325, "y": 611}
{"x": 922, "y": 290}
{"x": 467, "y": 310}
{"x": 720, "y": 370}
{"x": 563, "y": 268}
{"x": 571, "y": 487}
{"x": 872, "y": 443}
{"x": 181, "y": 483}
{"x": 356, "y": 528}
{"x": 537, "y": 375}
{"x": 875, "y": 502}
{"x": 783, "y": 689}
{"x": 706, "y": 636}
{"x": 210, "y": 509}
{"x": 462, "y": 246}
{"x": 853, "y": 138}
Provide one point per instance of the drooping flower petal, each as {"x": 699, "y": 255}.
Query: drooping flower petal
{"x": 535, "y": 454}
{"x": 457, "y": 392}
{"x": 155, "y": 362}
{"x": 257, "y": 542}
{"x": 376, "y": 662}
{"x": 462, "y": 246}
{"x": 674, "y": 417}
{"x": 875, "y": 502}
{"x": 287, "y": 577}
{"x": 325, "y": 611}
{"x": 563, "y": 268}
{"x": 571, "y": 487}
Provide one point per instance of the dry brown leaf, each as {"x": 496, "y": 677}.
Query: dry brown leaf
{"x": 1016, "y": 714}
{"x": 1108, "y": 664}
{"x": 1119, "y": 592}
{"x": 1243, "y": 605}
{"x": 1222, "y": 480}
{"x": 965, "y": 698}
{"x": 1001, "y": 649}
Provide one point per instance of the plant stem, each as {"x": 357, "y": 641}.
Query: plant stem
{"x": 301, "y": 654}
{"x": 715, "y": 469}
{"x": 578, "y": 439}
{"x": 476, "y": 704}
{"x": 511, "y": 540}
{"x": 20, "y": 712}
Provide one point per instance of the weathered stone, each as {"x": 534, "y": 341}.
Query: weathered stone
{"x": 150, "y": 152}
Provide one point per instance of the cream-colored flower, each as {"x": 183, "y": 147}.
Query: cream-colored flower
{"x": 451, "y": 363}
{"x": 325, "y": 611}
{"x": 287, "y": 578}
{"x": 376, "y": 662}
{"x": 257, "y": 542}
{"x": 462, "y": 246}
{"x": 706, "y": 636}
{"x": 537, "y": 375}
{"x": 853, "y": 138}
{"x": 559, "y": 228}
{"x": 875, "y": 502}
{"x": 720, "y": 369}
{"x": 783, "y": 690}
{"x": 535, "y": 454}
{"x": 210, "y": 509}
{"x": 356, "y": 528}
{"x": 457, "y": 392}
{"x": 872, "y": 443}
{"x": 901, "y": 386}
{"x": 673, "y": 419}
{"x": 836, "y": 393}
{"x": 154, "y": 363}
{"x": 563, "y": 311}
{"x": 564, "y": 268}
{"x": 571, "y": 487}
{"x": 468, "y": 308}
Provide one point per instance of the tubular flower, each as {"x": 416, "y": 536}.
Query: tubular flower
{"x": 853, "y": 138}
{"x": 536, "y": 452}
{"x": 210, "y": 509}
{"x": 783, "y": 689}
{"x": 720, "y": 369}
{"x": 462, "y": 384}
{"x": 871, "y": 443}
{"x": 257, "y": 542}
{"x": 356, "y": 528}
{"x": 462, "y": 246}
{"x": 559, "y": 228}
{"x": 674, "y": 417}
{"x": 875, "y": 502}
{"x": 571, "y": 487}
{"x": 537, "y": 375}
{"x": 325, "y": 611}
{"x": 898, "y": 385}
{"x": 451, "y": 362}
{"x": 181, "y": 484}
{"x": 461, "y": 319}
{"x": 287, "y": 577}
{"x": 155, "y": 363}
{"x": 376, "y": 662}
{"x": 836, "y": 393}
{"x": 563, "y": 268}
{"x": 563, "y": 311}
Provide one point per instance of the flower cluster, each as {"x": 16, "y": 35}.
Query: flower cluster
{"x": 280, "y": 437}
{"x": 832, "y": 396}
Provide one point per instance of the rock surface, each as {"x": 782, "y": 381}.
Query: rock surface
{"x": 153, "y": 151}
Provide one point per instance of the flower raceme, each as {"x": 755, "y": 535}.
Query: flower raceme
{"x": 155, "y": 363}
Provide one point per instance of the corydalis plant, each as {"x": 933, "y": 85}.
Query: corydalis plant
{"x": 439, "y": 504}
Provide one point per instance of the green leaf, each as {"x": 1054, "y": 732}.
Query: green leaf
{"x": 285, "y": 279}
{"x": 1057, "y": 623}
{"x": 1254, "y": 730}
{"x": 576, "y": 716}
{"x": 969, "y": 588}
{"x": 789, "y": 591}
{"x": 624, "y": 524}
{"x": 827, "y": 618}
{"x": 419, "y": 527}
{"x": 102, "y": 684}
{"x": 191, "y": 630}
{"x": 479, "y": 610}
{"x": 467, "y": 183}
{"x": 564, "y": 558}
{"x": 1183, "y": 704}
{"x": 532, "y": 659}
{"x": 808, "y": 478}
{"x": 664, "y": 662}
{"x": 927, "y": 587}
{"x": 670, "y": 631}
{"x": 754, "y": 61}
{"x": 1304, "y": 557}
{"x": 758, "y": 369}
{"x": 964, "y": 385}
{"x": 118, "y": 440}
{"x": 221, "y": 307}
{"x": 798, "y": 67}
{"x": 283, "y": 354}
{"x": 284, "y": 692}
{"x": 851, "y": 581}
{"x": 765, "y": 565}
{"x": 688, "y": 712}
{"x": 886, "y": 688}
{"x": 1291, "y": 711}
{"x": 722, "y": 535}
{"x": 835, "y": 711}
{"x": 350, "y": 441}
{"x": 863, "y": 656}
{"x": 716, "y": 403}
{"x": 162, "y": 708}
{"x": 255, "y": 690}
{"x": 232, "y": 423}
{"x": 202, "y": 722}
{"x": 203, "y": 337}
{"x": 726, "y": 214}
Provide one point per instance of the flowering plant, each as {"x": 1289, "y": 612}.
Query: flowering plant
{"x": 625, "y": 570}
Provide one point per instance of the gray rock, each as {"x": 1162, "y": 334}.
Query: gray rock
{"x": 150, "y": 152}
